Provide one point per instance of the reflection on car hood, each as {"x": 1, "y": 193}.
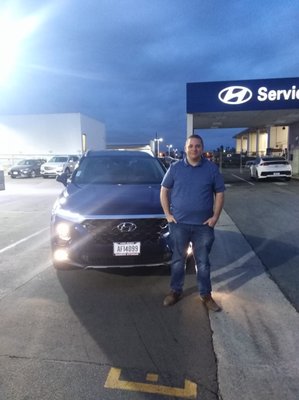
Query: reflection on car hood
{"x": 113, "y": 199}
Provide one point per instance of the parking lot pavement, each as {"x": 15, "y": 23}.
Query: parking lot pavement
{"x": 256, "y": 336}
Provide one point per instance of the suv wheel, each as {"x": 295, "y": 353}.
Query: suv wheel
{"x": 33, "y": 174}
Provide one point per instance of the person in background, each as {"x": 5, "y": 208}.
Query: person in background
{"x": 192, "y": 198}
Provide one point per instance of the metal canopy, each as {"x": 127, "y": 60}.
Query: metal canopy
{"x": 245, "y": 119}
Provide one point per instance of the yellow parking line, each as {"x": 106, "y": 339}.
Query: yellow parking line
{"x": 113, "y": 382}
{"x": 152, "y": 377}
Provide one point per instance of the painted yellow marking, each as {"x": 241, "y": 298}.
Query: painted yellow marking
{"x": 113, "y": 382}
{"x": 152, "y": 377}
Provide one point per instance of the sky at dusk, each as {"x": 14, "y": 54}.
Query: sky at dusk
{"x": 126, "y": 62}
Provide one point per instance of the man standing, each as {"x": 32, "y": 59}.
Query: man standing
{"x": 192, "y": 197}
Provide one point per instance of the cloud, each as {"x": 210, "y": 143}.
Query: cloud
{"x": 127, "y": 63}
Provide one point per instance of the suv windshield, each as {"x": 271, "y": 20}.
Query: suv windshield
{"x": 58, "y": 159}
{"x": 273, "y": 159}
{"x": 119, "y": 170}
{"x": 29, "y": 162}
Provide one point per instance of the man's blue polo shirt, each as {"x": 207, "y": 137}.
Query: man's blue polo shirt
{"x": 192, "y": 190}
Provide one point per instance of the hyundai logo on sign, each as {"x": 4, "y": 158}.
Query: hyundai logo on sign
{"x": 249, "y": 95}
{"x": 235, "y": 95}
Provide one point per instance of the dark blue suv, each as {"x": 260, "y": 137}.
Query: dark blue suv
{"x": 109, "y": 214}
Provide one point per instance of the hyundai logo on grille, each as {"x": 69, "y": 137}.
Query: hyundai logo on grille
{"x": 235, "y": 95}
{"x": 126, "y": 227}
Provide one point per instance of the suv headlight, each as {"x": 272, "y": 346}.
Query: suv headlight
{"x": 63, "y": 231}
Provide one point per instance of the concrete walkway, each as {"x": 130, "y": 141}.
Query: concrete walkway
{"x": 256, "y": 336}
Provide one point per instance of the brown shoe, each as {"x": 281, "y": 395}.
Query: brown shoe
{"x": 172, "y": 298}
{"x": 210, "y": 303}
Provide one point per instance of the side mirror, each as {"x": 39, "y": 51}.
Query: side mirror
{"x": 62, "y": 178}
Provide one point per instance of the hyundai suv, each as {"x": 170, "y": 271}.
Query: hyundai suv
{"x": 109, "y": 214}
{"x": 59, "y": 164}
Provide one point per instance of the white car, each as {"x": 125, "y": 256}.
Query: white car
{"x": 271, "y": 167}
{"x": 59, "y": 164}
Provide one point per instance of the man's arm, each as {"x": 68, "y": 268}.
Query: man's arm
{"x": 165, "y": 203}
{"x": 218, "y": 205}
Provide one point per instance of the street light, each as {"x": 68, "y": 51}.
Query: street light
{"x": 157, "y": 141}
{"x": 169, "y": 146}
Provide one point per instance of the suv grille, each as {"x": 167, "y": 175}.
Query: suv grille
{"x": 106, "y": 231}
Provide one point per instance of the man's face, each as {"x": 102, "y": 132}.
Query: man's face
{"x": 194, "y": 149}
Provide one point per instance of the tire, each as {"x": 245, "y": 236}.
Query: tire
{"x": 12, "y": 177}
{"x": 33, "y": 174}
{"x": 45, "y": 176}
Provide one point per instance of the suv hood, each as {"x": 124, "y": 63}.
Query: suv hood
{"x": 54, "y": 164}
{"x": 87, "y": 200}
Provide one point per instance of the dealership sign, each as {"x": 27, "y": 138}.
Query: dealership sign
{"x": 270, "y": 94}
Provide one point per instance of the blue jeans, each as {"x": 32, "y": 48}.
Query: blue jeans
{"x": 202, "y": 238}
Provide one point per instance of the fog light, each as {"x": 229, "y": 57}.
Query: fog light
{"x": 61, "y": 255}
{"x": 63, "y": 231}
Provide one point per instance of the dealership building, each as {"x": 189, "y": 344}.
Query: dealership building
{"x": 45, "y": 135}
{"x": 268, "y": 108}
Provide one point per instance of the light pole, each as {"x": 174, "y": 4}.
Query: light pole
{"x": 169, "y": 146}
{"x": 157, "y": 141}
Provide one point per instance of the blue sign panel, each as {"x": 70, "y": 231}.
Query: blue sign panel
{"x": 250, "y": 95}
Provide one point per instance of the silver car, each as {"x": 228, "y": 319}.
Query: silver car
{"x": 59, "y": 164}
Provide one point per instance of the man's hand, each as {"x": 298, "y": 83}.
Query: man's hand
{"x": 170, "y": 218}
{"x": 219, "y": 200}
{"x": 211, "y": 222}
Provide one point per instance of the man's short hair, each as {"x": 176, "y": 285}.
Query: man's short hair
{"x": 195, "y": 136}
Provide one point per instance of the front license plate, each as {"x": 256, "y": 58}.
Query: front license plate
{"x": 276, "y": 173}
{"x": 126, "y": 248}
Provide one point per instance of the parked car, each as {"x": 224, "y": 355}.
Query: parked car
{"x": 270, "y": 167}
{"x": 167, "y": 160}
{"x": 59, "y": 164}
{"x": 235, "y": 160}
{"x": 26, "y": 168}
{"x": 109, "y": 214}
{"x": 249, "y": 163}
